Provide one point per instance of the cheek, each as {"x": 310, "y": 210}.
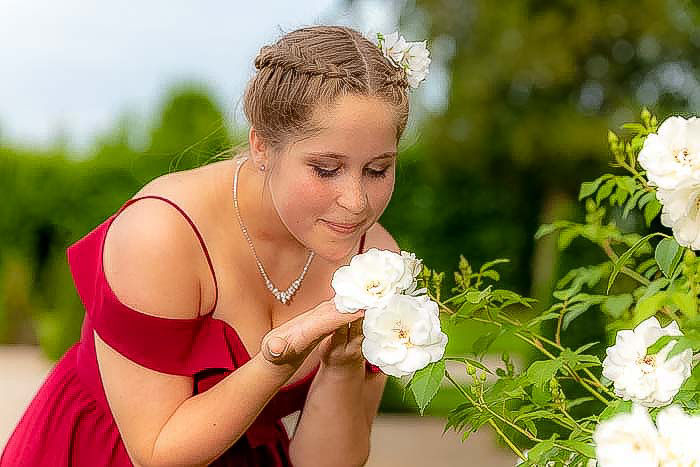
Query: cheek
{"x": 379, "y": 194}
{"x": 305, "y": 200}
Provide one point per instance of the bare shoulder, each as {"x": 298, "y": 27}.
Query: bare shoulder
{"x": 151, "y": 260}
{"x": 379, "y": 237}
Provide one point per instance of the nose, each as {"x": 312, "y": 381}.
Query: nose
{"x": 353, "y": 196}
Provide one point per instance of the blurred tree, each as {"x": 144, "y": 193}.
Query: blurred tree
{"x": 532, "y": 87}
{"x": 189, "y": 130}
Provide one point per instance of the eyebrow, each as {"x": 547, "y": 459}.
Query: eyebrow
{"x": 336, "y": 155}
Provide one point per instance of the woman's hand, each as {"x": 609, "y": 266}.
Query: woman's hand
{"x": 291, "y": 342}
{"x": 342, "y": 350}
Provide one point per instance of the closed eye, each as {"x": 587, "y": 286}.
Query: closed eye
{"x": 377, "y": 173}
{"x": 326, "y": 173}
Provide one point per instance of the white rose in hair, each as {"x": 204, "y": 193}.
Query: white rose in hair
{"x": 681, "y": 212}
{"x": 394, "y": 47}
{"x": 417, "y": 62}
{"x": 628, "y": 439}
{"x": 403, "y": 336}
{"x": 678, "y": 433}
{"x": 651, "y": 380}
{"x": 370, "y": 280}
{"x": 671, "y": 156}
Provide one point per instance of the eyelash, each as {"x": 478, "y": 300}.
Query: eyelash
{"x": 324, "y": 173}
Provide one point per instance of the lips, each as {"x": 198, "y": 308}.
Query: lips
{"x": 343, "y": 228}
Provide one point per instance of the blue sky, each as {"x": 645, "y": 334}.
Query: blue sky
{"x": 74, "y": 66}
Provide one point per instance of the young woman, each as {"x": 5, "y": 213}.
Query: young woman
{"x": 189, "y": 353}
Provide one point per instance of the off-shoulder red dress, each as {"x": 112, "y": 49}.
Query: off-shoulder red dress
{"x": 69, "y": 423}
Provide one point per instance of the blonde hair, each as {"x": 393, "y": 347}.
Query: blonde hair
{"x": 314, "y": 66}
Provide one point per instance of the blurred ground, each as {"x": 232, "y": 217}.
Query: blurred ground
{"x": 397, "y": 440}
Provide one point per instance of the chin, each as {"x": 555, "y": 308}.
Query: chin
{"x": 337, "y": 251}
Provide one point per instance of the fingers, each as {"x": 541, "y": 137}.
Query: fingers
{"x": 330, "y": 319}
{"x": 340, "y": 336}
{"x": 355, "y": 335}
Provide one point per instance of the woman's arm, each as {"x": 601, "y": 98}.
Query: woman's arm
{"x": 160, "y": 422}
{"x": 334, "y": 427}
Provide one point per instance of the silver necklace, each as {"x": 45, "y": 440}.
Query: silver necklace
{"x": 285, "y": 295}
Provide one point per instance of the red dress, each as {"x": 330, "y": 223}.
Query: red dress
{"x": 69, "y": 423}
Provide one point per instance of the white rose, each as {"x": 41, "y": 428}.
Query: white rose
{"x": 651, "y": 380}
{"x": 370, "y": 280}
{"x": 403, "y": 336}
{"x": 394, "y": 47}
{"x": 628, "y": 439}
{"x": 416, "y": 62}
{"x": 681, "y": 212}
{"x": 671, "y": 156}
{"x": 678, "y": 433}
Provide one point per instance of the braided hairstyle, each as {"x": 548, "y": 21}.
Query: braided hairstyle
{"x": 314, "y": 66}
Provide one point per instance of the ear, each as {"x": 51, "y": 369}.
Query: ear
{"x": 258, "y": 149}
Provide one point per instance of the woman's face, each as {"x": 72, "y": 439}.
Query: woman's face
{"x": 344, "y": 174}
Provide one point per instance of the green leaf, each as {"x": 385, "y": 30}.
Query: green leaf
{"x": 541, "y": 371}
{"x": 585, "y": 347}
{"x": 588, "y": 188}
{"x": 660, "y": 344}
{"x": 578, "y": 360}
{"x": 616, "y": 305}
{"x": 604, "y": 191}
{"x": 668, "y": 254}
{"x": 547, "y": 229}
{"x": 490, "y": 264}
{"x": 616, "y": 406}
{"x": 578, "y": 401}
{"x": 631, "y": 203}
{"x": 653, "y": 288}
{"x": 618, "y": 197}
{"x": 483, "y": 342}
{"x": 579, "y": 446}
{"x": 426, "y": 382}
{"x": 651, "y": 210}
{"x": 624, "y": 257}
{"x": 574, "y": 312}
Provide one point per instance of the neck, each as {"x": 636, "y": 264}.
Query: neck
{"x": 277, "y": 249}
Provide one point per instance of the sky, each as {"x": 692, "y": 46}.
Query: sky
{"x": 73, "y": 67}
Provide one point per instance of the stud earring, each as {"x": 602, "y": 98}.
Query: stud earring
{"x": 262, "y": 168}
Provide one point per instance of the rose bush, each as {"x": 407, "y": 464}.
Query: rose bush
{"x": 594, "y": 404}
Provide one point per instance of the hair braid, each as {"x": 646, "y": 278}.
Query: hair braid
{"x": 296, "y": 58}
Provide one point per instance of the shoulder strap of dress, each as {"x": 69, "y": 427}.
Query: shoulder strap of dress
{"x": 362, "y": 243}
{"x": 196, "y": 231}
